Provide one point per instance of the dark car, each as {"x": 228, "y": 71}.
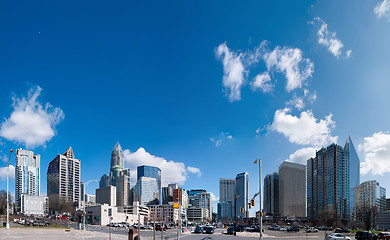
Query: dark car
{"x": 209, "y": 230}
{"x": 160, "y": 228}
{"x": 363, "y": 235}
{"x": 293, "y": 229}
{"x": 198, "y": 230}
{"x": 341, "y": 230}
{"x": 384, "y": 235}
{"x": 230, "y": 230}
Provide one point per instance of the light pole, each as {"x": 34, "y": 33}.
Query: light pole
{"x": 9, "y": 158}
{"x": 258, "y": 161}
{"x": 85, "y": 186}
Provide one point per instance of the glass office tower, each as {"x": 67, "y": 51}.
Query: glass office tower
{"x": 152, "y": 172}
{"x": 242, "y": 190}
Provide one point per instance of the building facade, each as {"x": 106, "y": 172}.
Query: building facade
{"x": 63, "y": 178}
{"x": 27, "y": 174}
{"x": 33, "y": 205}
{"x": 271, "y": 194}
{"x": 164, "y": 212}
{"x": 369, "y": 195}
{"x": 292, "y": 189}
{"x": 329, "y": 181}
{"x": 242, "y": 191}
{"x": 151, "y": 172}
{"x": 106, "y": 195}
{"x": 146, "y": 191}
{"x": 227, "y": 192}
{"x": 225, "y": 212}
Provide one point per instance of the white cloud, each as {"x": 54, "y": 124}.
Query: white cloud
{"x": 171, "y": 172}
{"x": 297, "y": 102}
{"x": 376, "y": 154}
{"x": 290, "y": 62}
{"x": 348, "y": 53}
{"x": 382, "y": 9}
{"x": 305, "y": 129}
{"x": 213, "y": 197}
{"x": 329, "y": 39}
{"x": 234, "y": 71}
{"x": 194, "y": 170}
{"x": 3, "y": 173}
{"x": 302, "y": 155}
{"x": 223, "y": 136}
{"x": 31, "y": 123}
{"x": 262, "y": 81}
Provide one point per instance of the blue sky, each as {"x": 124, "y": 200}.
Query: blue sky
{"x": 201, "y": 88}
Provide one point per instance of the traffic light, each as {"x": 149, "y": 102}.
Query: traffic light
{"x": 253, "y": 202}
{"x": 250, "y": 206}
{"x": 242, "y": 210}
{"x": 261, "y": 214}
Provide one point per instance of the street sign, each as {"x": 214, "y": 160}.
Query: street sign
{"x": 175, "y": 205}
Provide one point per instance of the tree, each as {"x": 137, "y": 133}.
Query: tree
{"x": 367, "y": 216}
{"x": 3, "y": 201}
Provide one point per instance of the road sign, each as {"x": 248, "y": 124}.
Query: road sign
{"x": 175, "y": 205}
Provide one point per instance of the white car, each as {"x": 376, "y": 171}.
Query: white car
{"x": 309, "y": 230}
{"x": 336, "y": 236}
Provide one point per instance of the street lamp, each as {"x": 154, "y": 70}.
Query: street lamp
{"x": 85, "y": 186}
{"x": 258, "y": 161}
{"x": 9, "y": 158}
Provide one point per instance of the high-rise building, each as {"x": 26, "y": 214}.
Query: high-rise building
{"x": 27, "y": 174}
{"x": 271, "y": 194}
{"x": 227, "y": 191}
{"x": 167, "y": 195}
{"x": 292, "y": 189}
{"x": 63, "y": 178}
{"x": 328, "y": 182}
{"x": 146, "y": 191}
{"x": 225, "y": 212}
{"x": 200, "y": 198}
{"x": 180, "y": 196}
{"x": 354, "y": 163}
{"x": 242, "y": 191}
{"x": 368, "y": 194}
{"x": 152, "y": 172}
{"x": 119, "y": 177}
{"x": 104, "y": 181}
{"x": 387, "y": 204}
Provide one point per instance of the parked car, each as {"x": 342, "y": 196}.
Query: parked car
{"x": 293, "y": 229}
{"x": 209, "y": 230}
{"x": 159, "y": 227}
{"x": 39, "y": 222}
{"x": 312, "y": 229}
{"x": 198, "y": 230}
{"x": 230, "y": 230}
{"x": 364, "y": 235}
{"x": 273, "y": 227}
{"x": 341, "y": 230}
{"x": 384, "y": 235}
{"x": 336, "y": 236}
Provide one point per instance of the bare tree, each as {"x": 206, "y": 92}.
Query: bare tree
{"x": 3, "y": 201}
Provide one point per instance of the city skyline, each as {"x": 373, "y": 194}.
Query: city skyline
{"x": 198, "y": 91}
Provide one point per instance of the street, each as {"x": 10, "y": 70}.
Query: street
{"x": 100, "y": 233}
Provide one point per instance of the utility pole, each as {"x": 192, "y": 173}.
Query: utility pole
{"x": 258, "y": 161}
{"x": 235, "y": 214}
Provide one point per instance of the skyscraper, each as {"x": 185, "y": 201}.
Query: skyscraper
{"x": 242, "y": 191}
{"x": 152, "y": 172}
{"x": 146, "y": 191}
{"x": 328, "y": 182}
{"x": 63, "y": 178}
{"x": 271, "y": 194}
{"x": 292, "y": 189}
{"x": 119, "y": 177}
{"x": 27, "y": 174}
{"x": 354, "y": 163}
{"x": 227, "y": 191}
